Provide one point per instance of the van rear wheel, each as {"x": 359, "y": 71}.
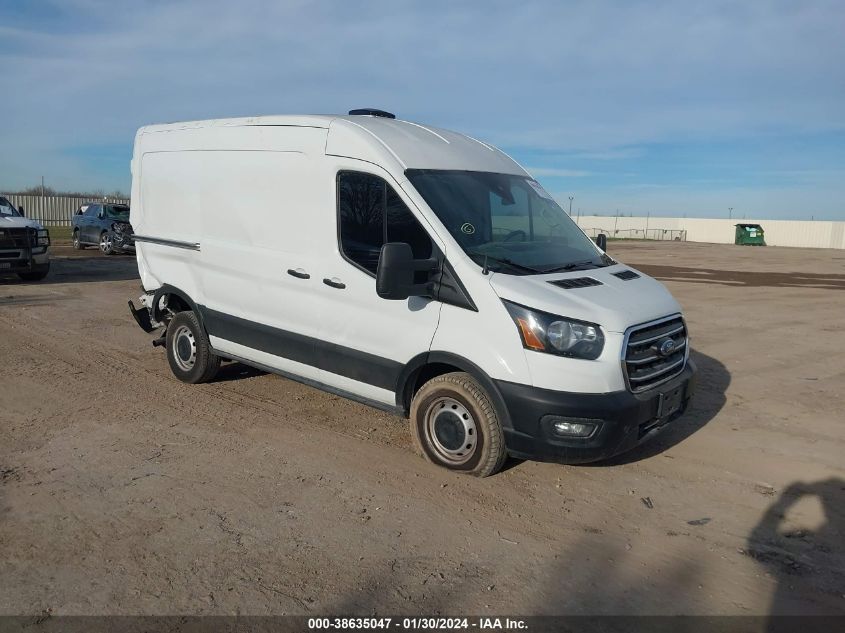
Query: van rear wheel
{"x": 454, "y": 424}
{"x": 189, "y": 351}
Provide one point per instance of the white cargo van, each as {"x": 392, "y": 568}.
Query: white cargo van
{"x": 407, "y": 267}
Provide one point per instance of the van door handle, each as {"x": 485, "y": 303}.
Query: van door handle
{"x": 298, "y": 273}
{"x": 334, "y": 282}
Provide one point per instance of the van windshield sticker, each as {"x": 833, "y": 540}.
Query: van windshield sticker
{"x": 539, "y": 189}
{"x": 467, "y": 228}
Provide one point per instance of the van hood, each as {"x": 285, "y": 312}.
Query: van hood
{"x": 616, "y": 304}
{"x": 7, "y": 222}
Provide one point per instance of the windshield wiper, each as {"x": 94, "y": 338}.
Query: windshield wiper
{"x": 571, "y": 266}
{"x": 506, "y": 262}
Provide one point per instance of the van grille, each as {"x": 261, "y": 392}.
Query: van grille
{"x": 17, "y": 238}
{"x": 644, "y": 364}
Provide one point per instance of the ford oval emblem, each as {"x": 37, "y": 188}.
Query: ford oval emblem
{"x": 666, "y": 347}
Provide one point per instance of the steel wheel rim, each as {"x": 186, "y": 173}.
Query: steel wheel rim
{"x": 105, "y": 243}
{"x": 184, "y": 348}
{"x": 450, "y": 431}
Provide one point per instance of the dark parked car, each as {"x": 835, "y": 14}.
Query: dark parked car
{"x": 104, "y": 225}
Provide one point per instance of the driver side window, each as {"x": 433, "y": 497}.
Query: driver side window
{"x": 370, "y": 214}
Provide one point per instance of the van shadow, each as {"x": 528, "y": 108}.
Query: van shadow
{"x": 236, "y": 371}
{"x": 712, "y": 382}
{"x": 799, "y": 557}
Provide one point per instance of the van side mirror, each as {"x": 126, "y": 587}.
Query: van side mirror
{"x": 601, "y": 241}
{"x": 395, "y": 272}
{"x": 20, "y": 210}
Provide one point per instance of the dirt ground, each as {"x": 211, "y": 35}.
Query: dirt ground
{"x": 125, "y": 491}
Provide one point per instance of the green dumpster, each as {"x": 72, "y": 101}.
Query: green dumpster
{"x": 749, "y": 235}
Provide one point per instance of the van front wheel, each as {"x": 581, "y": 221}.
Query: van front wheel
{"x": 189, "y": 351}
{"x": 455, "y": 425}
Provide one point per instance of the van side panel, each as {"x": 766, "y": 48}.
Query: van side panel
{"x": 258, "y": 222}
{"x": 205, "y": 185}
{"x": 170, "y": 210}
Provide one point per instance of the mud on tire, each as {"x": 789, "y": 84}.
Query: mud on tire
{"x": 454, "y": 425}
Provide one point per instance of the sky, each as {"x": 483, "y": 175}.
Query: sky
{"x": 667, "y": 108}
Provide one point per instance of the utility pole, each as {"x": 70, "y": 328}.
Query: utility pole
{"x": 42, "y": 186}
{"x": 571, "y": 198}
{"x": 730, "y": 212}
{"x": 647, "y": 216}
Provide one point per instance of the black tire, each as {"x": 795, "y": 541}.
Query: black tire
{"x": 455, "y": 425}
{"x": 77, "y": 243}
{"x": 35, "y": 275}
{"x": 106, "y": 243}
{"x": 188, "y": 350}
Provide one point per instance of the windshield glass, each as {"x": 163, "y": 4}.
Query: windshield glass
{"x": 508, "y": 222}
{"x": 118, "y": 212}
{"x": 7, "y": 209}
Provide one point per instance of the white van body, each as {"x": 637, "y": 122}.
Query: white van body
{"x": 239, "y": 220}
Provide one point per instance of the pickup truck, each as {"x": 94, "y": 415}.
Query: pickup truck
{"x": 104, "y": 225}
{"x": 24, "y": 244}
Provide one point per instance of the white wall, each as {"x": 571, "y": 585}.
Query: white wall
{"x": 806, "y": 233}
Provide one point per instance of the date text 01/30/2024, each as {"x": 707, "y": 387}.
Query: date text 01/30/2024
{"x": 416, "y": 623}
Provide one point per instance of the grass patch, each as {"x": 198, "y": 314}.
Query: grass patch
{"x": 59, "y": 234}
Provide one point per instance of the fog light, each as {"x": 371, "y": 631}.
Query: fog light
{"x": 573, "y": 427}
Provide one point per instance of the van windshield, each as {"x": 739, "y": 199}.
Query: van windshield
{"x": 508, "y": 222}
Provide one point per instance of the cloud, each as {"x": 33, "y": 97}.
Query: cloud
{"x": 592, "y": 80}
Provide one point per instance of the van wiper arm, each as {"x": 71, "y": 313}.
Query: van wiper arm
{"x": 506, "y": 262}
{"x": 571, "y": 266}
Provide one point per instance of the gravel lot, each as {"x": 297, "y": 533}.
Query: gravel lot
{"x": 125, "y": 491}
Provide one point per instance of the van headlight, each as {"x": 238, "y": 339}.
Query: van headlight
{"x": 543, "y": 332}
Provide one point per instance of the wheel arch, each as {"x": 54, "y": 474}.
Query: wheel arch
{"x": 428, "y": 365}
{"x": 184, "y": 300}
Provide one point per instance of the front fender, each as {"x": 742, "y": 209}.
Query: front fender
{"x": 408, "y": 377}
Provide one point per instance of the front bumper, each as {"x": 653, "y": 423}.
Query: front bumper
{"x": 626, "y": 419}
{"x": 124, "y": 243}
{"x": 22, "y": 260}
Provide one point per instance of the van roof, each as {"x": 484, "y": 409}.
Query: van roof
{"x": 378, "y": 139}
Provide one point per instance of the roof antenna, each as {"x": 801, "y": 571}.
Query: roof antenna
{"x": 485, "y": 270}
